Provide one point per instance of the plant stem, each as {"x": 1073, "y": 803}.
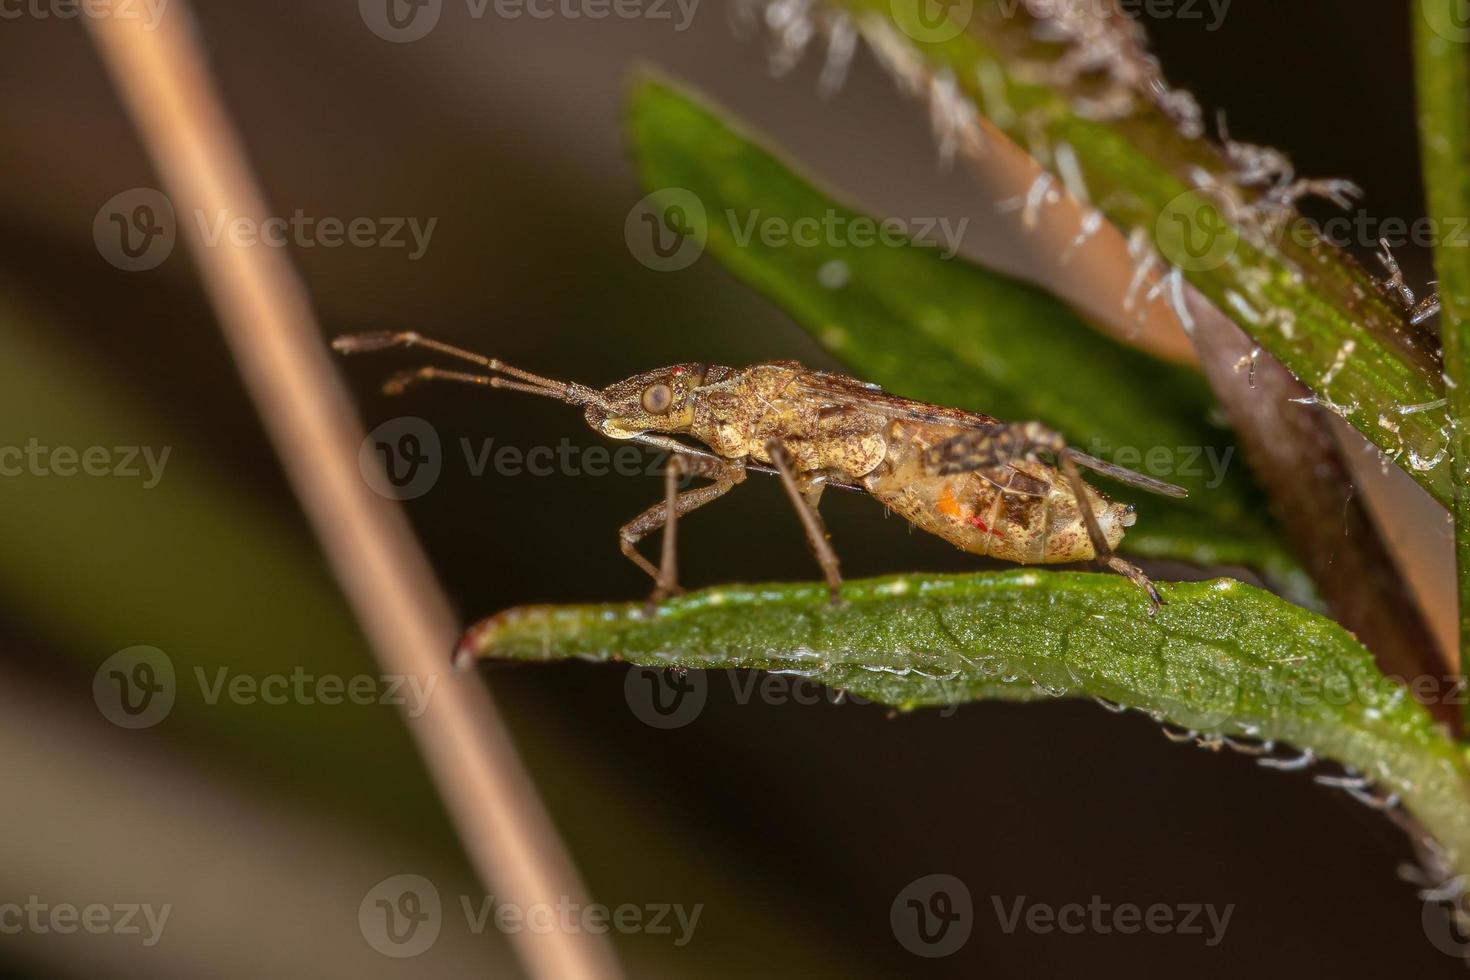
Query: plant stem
{"x": 1442, "y": 67}
{"x": 162, "y": 78}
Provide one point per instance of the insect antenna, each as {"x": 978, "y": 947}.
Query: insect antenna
{"x": 533, "y": 384}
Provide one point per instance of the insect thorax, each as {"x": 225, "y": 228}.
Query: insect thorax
{"x": 738, "y": 417}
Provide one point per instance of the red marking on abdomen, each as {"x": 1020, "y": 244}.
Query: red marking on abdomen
{"x": 975, "y": 520}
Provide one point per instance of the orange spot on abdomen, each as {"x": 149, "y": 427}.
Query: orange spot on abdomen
{"x": 947, "y": 504}
{"x": 951, "y": 508}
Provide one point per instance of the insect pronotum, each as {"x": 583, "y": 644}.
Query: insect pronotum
{"x": 975, "y": 481}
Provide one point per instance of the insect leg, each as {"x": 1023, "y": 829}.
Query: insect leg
{"x": 811, "y": 521}
{"x": 1100, "y": 546}
{"x": 666, "y": 513}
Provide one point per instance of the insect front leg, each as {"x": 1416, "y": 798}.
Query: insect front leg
{"x": 666, "y": 514}
{"x": 1006, "y": 443}
{"x": 805, "y": 498}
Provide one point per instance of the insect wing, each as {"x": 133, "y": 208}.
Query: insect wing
{"x": 1009, "y": 480}
{"x": 839, "y": 389}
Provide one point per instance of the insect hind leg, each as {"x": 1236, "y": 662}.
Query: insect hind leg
{"x": 1104, "y": 551}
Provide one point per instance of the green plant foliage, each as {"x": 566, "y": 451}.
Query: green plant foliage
{"x": 1299, "y": 297}
{"x": 1442, "y": 63}
{"x": 1220, "y": 658}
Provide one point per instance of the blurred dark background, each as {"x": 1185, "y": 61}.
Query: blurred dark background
{"x": 795, "y": 826}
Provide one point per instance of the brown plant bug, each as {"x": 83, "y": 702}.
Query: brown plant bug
{"x": 973, "y": 480}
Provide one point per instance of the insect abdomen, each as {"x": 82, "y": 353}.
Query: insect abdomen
{"x": 1021, "y": 511}
{"x": 974, "y": 516}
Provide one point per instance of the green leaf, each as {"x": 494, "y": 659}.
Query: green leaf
{"x": 1220, "y": 658}
{"x": 1298, "y": 296}
{"x": 1442, "y": 65}
{"x": 944, "y": 330}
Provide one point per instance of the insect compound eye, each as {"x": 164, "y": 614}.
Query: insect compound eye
{"x": 658, "y": 398}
